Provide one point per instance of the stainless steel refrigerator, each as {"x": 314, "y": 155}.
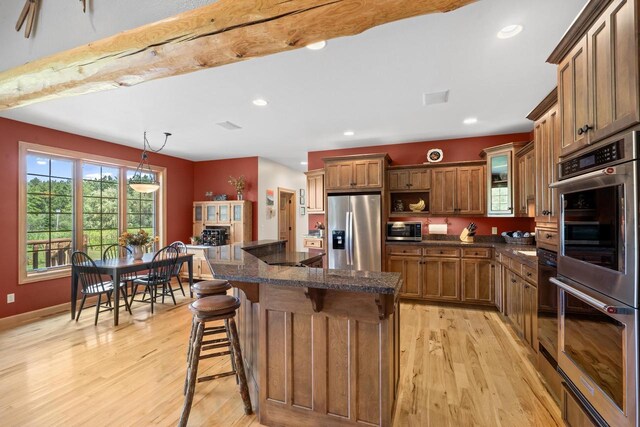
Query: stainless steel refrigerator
{"x": 354, "y": 232}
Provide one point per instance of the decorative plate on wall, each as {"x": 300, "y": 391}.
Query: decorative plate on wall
{"x": 434, "y": 155}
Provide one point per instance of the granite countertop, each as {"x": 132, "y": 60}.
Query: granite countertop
{"x": 495, "y": 242}
{"x": 231, "y": 262}
{"x": 289, "y": 258}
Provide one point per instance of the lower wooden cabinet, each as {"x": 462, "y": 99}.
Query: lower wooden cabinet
{"x": 521, "y": 299}
{"x": 477, "y": 276}
{"x": 410, "y": 267}
{"x": 443, "y": 273}
{"x": 442, "y": 279}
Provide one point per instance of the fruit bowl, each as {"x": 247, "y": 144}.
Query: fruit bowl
{"x": 418, "y": 207}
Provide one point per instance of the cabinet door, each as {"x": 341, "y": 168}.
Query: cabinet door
{"x": 477, "y": 280}
{"x": 442, "y": 279}
{"x": 367, "y": 173}
{"x": 237, "y": 212}
{"x": 224, "y": 214}
{"x": 470, "y": 190}
{"x": 573, "y": 98}
{"x": 411, "y": 270}
{"x": 514, "y": 300}
{"x": 443, "y": 191}
{"x": 339, "y": 175}
{"x": 419, "y": 179}
{"x": 315, "y": 193}
{"x": 521, "y": 164}
{"x": 197, "y": 212}
{"x": 547, "y": 149}
{"x": 210, "y": 214}
{"x": 530, "y": 314}
{"x": 398, "y": 180}
{"x": 613, "y": 56}
{"x": 197, "y": 228}
{"x": 530, "y": 176}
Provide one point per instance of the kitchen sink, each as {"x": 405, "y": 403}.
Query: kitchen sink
{"x": 528, "y": 253}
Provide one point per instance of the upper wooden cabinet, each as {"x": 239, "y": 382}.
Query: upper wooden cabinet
{"x": 598, "y": 74}
{"x": 236, "y": 215}
{"x": 355, "y": 172}
{"x": 547, "y": 139}
{"x": 409, "y": 179}
{"x": 458, "y": 190}
{"x": 315, "y": 191}
{"x": 501, "y": 179}
{"x": 526, "y": 177}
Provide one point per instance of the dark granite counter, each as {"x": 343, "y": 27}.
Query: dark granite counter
{"x": 292, "y": 259}
{"x": 242, "y": 262}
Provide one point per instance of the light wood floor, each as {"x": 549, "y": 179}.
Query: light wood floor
{"x": 460, "y": 367}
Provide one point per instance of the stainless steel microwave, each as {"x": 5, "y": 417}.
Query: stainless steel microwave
{"x": 407, "y": 231}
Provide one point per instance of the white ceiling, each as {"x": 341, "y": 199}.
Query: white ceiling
{"x": 371, "y": 83}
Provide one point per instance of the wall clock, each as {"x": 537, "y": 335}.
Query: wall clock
{"x": 434, "y": 155}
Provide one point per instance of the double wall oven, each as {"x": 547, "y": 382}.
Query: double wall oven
{"x": 598, "y": 278}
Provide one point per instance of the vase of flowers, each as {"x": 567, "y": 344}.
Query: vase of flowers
{"x": 137, "y": 241}
{"x": 320, "y": 228}
{"x": 239, "y": 184}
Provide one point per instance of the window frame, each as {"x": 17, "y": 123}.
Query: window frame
{"x": 79, "y": 158}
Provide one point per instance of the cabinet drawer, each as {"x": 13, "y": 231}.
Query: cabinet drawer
{"x": 530, "y": 274}
{"x": 443, "y": 252}
{"x": 547, "y": 238}
{"x": 476, "y": 252}
{"x": 313, "y": 243}
{"x": 404, "y": 250}
{"x": 515, "y": 266}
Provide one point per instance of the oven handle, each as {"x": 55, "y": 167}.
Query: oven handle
{"x": 613, "y": 170}
{"x": 610, "y": 309}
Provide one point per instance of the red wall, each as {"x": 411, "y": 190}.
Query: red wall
{"x": 214, "y": 175}
{"x": 38, "y": 295}
{"x": 454, "y": 150}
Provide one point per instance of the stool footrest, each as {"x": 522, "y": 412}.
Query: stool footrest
{"x": 213, "y": 377}
{"x": 209, "y": 356}
{"x": 215, "y": 341}
{"x": 212, "y": 346}
{"x": 215, "y": 330}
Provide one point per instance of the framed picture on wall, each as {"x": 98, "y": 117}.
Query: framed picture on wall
{"x": 302, "y": 201}
{"x": 302, "y": 210}
{"x": 301, "y": 192}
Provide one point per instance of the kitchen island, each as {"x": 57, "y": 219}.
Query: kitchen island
{"x": 321, "y": 347}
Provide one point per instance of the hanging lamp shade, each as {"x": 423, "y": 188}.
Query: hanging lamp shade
{"x": 143, "y": 180}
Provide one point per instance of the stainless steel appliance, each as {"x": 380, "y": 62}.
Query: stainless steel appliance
{"x": 598, "y": 278}
{"x": 354, "y": 228}
{"x": 408, "y": 230}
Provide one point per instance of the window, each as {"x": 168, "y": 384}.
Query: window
{"x": 76, "y": 201}
{"x": 49, "y": 210}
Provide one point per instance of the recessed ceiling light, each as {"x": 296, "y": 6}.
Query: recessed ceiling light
{"x": 349, "y": 133}
{"x": 317, "y": 45}
{"x": 510, "y": 31}
{"x": 304, "y": 163}
{"x": 470, "y": 120}
{"x": 260, "y": 102}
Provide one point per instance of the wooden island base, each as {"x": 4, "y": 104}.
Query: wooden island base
{"x": 338, "y": 365}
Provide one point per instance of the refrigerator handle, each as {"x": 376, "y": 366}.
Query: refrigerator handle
{"x": 347, "y": 238}
{"x": 350, "y": 227}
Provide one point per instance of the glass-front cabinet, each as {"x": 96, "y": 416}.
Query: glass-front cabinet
{"x": 500, "y": 179}
{"x": 224, "y": 214}
{"x": 237, "y": 213}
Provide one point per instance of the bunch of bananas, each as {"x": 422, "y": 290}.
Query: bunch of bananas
{"x": 417, "y": 207}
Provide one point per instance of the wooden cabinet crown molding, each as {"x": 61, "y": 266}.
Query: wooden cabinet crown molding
{"x": 544, "y": 106}
{"x": 353, "y": 157}
{"x": 578, "y": 29}
{"x": 504, "y": 147}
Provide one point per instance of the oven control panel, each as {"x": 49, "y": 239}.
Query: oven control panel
{"x": 599, "y": 157}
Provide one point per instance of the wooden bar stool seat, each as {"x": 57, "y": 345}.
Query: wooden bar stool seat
{"x": 210, "y": 287}
{"x": 208, "y": 309}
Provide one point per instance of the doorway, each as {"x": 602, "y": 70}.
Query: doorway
{"x": 287, "y": 217}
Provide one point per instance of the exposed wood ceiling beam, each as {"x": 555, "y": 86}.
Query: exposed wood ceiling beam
{"x": 217, "y": 34}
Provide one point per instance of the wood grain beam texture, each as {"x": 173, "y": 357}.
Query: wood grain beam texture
{"x": 217, "y": 34}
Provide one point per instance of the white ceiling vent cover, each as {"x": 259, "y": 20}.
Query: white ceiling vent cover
{"x": 435, "y": 98}
{"x": 229, "y": 126}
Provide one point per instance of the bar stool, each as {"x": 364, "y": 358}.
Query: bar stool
{"x": 209, "y": 309}
{"x": 207, "y": 288}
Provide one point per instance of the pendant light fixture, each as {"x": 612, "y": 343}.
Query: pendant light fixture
{"x": 143, "y": 180}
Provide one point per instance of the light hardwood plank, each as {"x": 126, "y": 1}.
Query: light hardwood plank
{"x": 459, "y": 367}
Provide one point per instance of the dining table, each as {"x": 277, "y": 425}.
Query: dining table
{"x": 116, "y": 268}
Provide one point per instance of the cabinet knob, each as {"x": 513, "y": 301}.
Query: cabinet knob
{"x": 586, "y": 128}
{"x": 526, "y": 286}
{"x": 513, "y": 280}
{"x": 528, "y": 274}
{"x": 441, "y": 252}
{"x": 548, "y": 236}
{"x": 546, "y": 212}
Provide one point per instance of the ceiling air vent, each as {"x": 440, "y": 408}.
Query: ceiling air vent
{"x": 229, "y": 125}
{"x": 435, "y": 98}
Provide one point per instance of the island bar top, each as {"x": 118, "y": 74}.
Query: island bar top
{"x": 243, "y": 262}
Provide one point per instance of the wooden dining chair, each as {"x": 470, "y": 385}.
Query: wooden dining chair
{"x": 92, "y": 284}
{"x": 182, "y": 249}
{"x": 160, "y": 273}
{"x": 117, "y": 251}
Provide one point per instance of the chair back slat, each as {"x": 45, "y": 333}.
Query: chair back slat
{"x": 116, "y": 251}
{"x": 88, "y": 273}
{"x": 163, "y": 264}
{"x": 182, "y": 249}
